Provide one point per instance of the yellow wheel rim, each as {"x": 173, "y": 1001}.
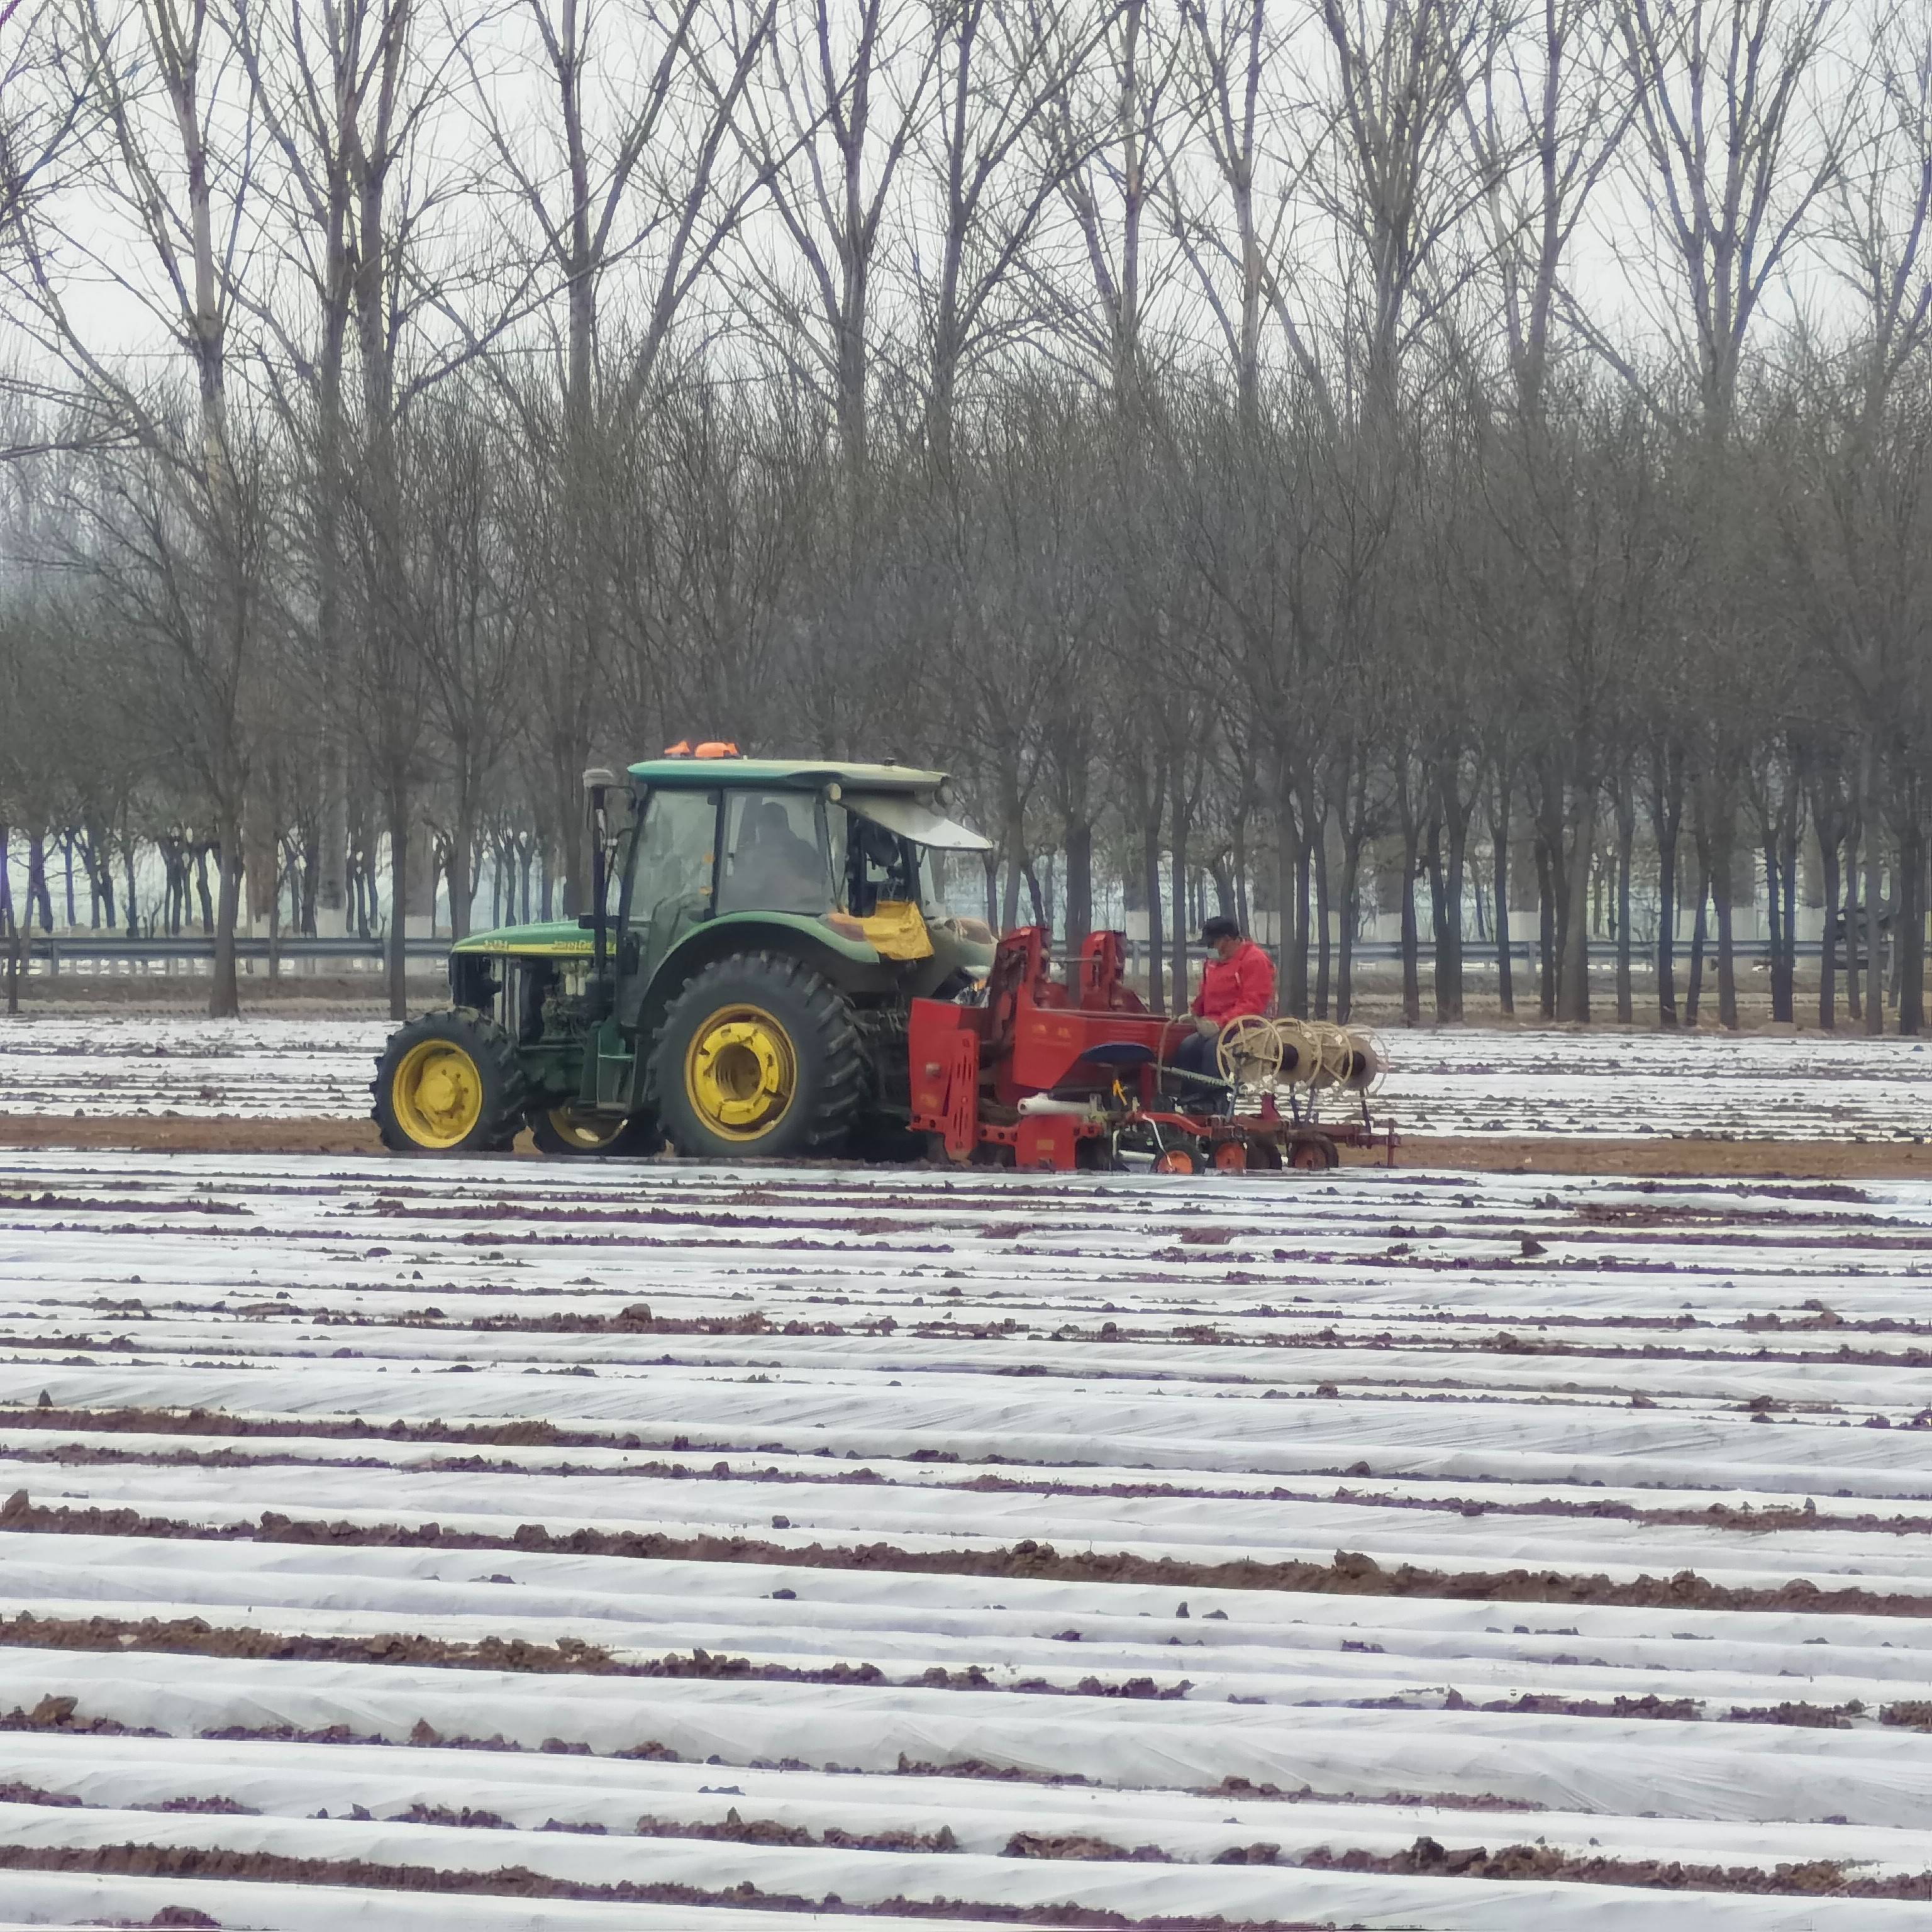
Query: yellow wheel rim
{"x": 436, "y": 1093}
{"x": 740, "y": 1073}
{"x": 586, "y": 1132}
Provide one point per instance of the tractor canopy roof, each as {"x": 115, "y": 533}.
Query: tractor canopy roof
{"x": 768, "y": 774}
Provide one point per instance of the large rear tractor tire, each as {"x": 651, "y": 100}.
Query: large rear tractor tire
{"x": 758, "y": 1059}
{"x": 448, "y": 1083}
{"x": 567, "y": 1130}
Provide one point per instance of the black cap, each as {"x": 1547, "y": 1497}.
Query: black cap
{"x": 1219, "y": 927}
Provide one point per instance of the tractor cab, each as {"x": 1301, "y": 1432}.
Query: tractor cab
{"x": 740, "y": 984}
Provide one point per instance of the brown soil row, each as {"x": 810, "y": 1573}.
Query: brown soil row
{"x": 1714, "y": 1516}
{"x": 519, "y": 1881}
{"x": 1815, "y": 1878}
{"x": 639, "y": 1321}
{"x": 60, "y": 1714}
{"x": 1350, "y": 1573}
{"x": 1426, "y": 1858}
{"x": 1524, "y": 1154}
{"x": 194, "y": 1636}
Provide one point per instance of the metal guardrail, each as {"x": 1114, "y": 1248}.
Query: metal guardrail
{"x": 1480, "y": 952}
{"x": 47, "y": 953}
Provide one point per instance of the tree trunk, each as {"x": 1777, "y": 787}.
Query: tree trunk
{"x": 1411, "y": 978}
{"x": 1720, "y": 898}
{"x": 1693, "y": 991}
{"x": 1573, "y": 993}
{"x": 1546, "y": 932}
{"x": 1777, "y": 910}
{"x": 1150, "y": 864}
{"x": 1874, "y": 879}
{"x": 1666, "y": 830}
{"x": 1323, "y": 944}
{"x": 1908, "y": 924}
{"x": 1827, "y": 961}
{"x": 1296, "y": 982}
{"x": 1287, "y": 845}
{"x": 1788, "y": 833}
{"x": 1345, "y": 964}
{"x": 38, "y": 895}
{"x": 224, "y": 997}
{"x": 461, "y": 872}
{"x": 1439, "y": 917}
{"x": 274, "y": 912}
{"x": 331, "y": 872}
{"x": 1626, "y": 812}
{"x": 1036, "y": 899}
{"x": 397, "y": 958}
{"x": 1449, "y": 962}
{"x": 1505, "y": 968}
{"x": 1178, "y": 938}
{"x": 1077, "y": 834}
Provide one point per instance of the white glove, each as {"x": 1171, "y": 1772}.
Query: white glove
{"x": 1207, "y": 1028}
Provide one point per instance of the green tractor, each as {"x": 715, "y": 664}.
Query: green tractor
{"x": 740, "y": 988}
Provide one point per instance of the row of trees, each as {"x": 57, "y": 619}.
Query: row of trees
{"x": 1254, "y": 445}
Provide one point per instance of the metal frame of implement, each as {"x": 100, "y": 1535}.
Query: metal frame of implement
{"x": 1090, "y": 1056}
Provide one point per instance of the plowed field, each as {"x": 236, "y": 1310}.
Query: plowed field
{"x": 503, "y": 1545}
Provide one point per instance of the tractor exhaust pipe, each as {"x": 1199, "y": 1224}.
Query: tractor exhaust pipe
{"x": 597, "y": 784}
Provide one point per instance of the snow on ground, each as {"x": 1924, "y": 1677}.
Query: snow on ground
{"x": 1747, "y": 1087}
{"x": 853, "y": 1537}
{"x": 1458, "y": 1082}
{"x": 116, "y": 1063}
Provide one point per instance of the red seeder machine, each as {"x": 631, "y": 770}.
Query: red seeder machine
{"x": 1045, "y": 1075}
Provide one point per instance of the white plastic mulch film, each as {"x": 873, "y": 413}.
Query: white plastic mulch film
{"x": 628, "y": 1545}
{"x": 1750, "y": 1087}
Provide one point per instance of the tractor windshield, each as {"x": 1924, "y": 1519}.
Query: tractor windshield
{"x": 902, "y": 849}
{"x": 952, "y": 885}
{"x": 881, "y": 869}
{"x": 774, "y": 857}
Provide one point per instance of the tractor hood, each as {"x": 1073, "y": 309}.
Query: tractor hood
{"x": 549, "y": 939}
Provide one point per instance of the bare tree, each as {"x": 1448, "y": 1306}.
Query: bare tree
{"x": 624, "y": 171}
{"x": 1109, "y": 163}
{"x": 326, "y": 88}
{"x": 1399, "y": 178}
{"x": 172, "y": 147}
{"x": 1741, "y": 147}
{"x": 847, "y": 92}
{"x": 1003, "y": 69}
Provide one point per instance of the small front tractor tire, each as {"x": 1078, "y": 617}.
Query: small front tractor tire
{"x": 758, "y": 1059}
{"x": 565, "y": 1130}
{"x": 448, "y": 1083}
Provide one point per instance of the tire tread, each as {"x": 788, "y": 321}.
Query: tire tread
{"x": 834, "y": 1104}
{"x": 486, "y": 1043}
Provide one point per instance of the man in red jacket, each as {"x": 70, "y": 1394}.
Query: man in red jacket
{"x": 1239, "y": 979}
